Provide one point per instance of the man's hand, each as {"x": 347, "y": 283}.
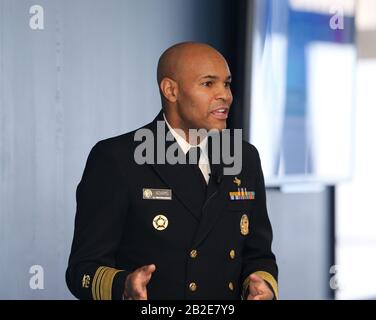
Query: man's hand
{"x": 258, "y": 289}
{"x": 135, "y": 283}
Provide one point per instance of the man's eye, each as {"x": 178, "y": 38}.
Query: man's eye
{"x": 207, "y": 83}
{"x": 227, "y": 84}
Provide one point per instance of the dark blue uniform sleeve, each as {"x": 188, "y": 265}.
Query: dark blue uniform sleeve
{"x": 257, "y": 255}
{"x": 99, "y": 224}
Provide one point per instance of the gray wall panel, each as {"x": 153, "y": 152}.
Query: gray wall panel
{"x": 301, "y": 242}
{"x": 89, "y": 75}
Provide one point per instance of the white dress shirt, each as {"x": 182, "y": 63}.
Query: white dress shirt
{"x": 203, "y": 163}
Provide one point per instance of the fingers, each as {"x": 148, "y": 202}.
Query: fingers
{"x": 255, "y": 285}
{"x": 136, "y": 282}
{"x": 253, "y": 289}
{"x": 265, "y": 296}
{"x": 258, "y": 289}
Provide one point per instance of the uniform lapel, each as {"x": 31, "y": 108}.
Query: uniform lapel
{"x": 178, "y": 177}
{"x": 216, "y": 198}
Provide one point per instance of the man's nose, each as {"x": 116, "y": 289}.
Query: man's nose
{"x": 224, "y": 94}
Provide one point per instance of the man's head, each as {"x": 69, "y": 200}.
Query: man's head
{"x": 194, "y": 82}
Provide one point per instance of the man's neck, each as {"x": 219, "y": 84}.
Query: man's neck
{"x": 193, "y": 139}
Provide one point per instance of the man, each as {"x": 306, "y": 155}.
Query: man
{"x": 174, "y": 231}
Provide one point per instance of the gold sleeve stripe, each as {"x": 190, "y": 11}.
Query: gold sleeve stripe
{"x": 270, "y": 279}
{"x": 93, "y": 284}
{"x": 100, "y": 278}
{"x": 102, "y": 283}
{"x": 106, "y": 285}
{"x": 96, "y": 281}
{"x": 267, "y": 277}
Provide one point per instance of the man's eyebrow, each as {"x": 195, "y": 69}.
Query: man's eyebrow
{"x": 209, "y": 76}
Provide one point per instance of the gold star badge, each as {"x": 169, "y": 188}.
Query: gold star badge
{"x": 160, "y": 222}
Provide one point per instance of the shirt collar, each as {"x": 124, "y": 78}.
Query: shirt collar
{"x": 184, "y": 145}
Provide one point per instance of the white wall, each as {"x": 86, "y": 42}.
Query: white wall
{"x": 90, "y": 74}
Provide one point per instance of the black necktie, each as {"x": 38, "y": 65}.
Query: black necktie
{"x": 193, "y": 157}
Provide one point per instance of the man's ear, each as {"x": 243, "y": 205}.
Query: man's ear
{"x": 169, "y": 89}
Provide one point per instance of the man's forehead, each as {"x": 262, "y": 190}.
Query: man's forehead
{"x": 211, "y": 71}
{"x": 202, "y": 66}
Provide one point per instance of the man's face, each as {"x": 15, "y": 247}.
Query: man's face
{"x": 204, "y": 96}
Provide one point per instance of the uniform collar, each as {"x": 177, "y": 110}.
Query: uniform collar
{"x": 184, "y": 145}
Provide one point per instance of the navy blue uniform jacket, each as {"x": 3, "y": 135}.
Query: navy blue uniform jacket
{"x": 206, "y": 247}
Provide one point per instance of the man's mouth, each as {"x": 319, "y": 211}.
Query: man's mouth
{"x": 220, "y": 113}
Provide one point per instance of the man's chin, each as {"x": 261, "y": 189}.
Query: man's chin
{"x": 219, "y": 125}
{"x": 213, "y": 125}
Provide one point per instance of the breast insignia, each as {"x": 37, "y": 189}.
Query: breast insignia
{"x": 237, "y": 181}
{"x": 244, "y": 225}
{"x": 160, "y": 222}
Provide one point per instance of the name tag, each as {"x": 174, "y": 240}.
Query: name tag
{"x": 156, "y": 194}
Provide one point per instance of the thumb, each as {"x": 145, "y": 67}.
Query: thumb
{"x": 256, "y": 279}
{"x": 149, "y": 269}
{"x": 145, "y": 276}
{"x": 146, "y": 272}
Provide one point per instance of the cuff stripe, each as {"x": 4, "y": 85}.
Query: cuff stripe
{"x": 102, "y": 283}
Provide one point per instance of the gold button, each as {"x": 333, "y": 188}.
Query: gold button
{"x": 231, "y": 286}
{"x": 232, "y": 254}
{"x": 193, "y": 286}
{"x": 193, "y": 253}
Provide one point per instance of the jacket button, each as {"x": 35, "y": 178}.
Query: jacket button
{"x": 232, "y": 254}
{"x": 193, "y": 286}
{"x": 231, "y": 286}
{"x": 193, "y": 253}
